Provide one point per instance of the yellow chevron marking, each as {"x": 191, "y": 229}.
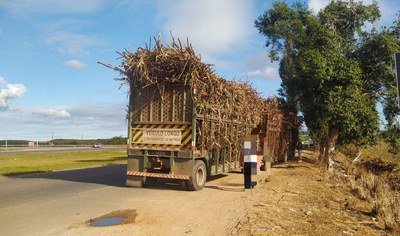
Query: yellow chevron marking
{"x": 187, "y": 140}
{"x": 185, "y": 133}
{"x": 136, "y": 135}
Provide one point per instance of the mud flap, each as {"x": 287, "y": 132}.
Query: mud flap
{"x": 134, "y": 181}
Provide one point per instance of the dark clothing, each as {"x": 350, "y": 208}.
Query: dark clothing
{"x": 299, "y": 146}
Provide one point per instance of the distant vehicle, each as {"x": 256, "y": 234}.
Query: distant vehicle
{"x": 97, "y": 145}
{"x": 309, "y": 144}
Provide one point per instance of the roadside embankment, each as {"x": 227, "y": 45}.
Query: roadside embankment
{"x": 302, "y": 199}
{"x": 376, "y": 181}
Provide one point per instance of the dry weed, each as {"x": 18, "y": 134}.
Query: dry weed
{"x": 376, "y": 181}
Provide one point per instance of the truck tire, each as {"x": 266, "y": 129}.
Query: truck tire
{"x": 198, "y": 179}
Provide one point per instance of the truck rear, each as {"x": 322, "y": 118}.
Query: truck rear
{"x": 172, "y": 136}
{"x": 162, "y": 134}
{"x": 185, "y": 122}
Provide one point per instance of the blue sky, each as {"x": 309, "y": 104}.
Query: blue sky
{"x": 51, "y": 85}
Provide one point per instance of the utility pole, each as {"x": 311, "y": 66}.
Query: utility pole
{"x": 6, "y": 141}
{"x": 52, "y": 137}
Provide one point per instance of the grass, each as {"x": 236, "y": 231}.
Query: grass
{"x": 11, "y": 164}
{"x": 381, "y": 151}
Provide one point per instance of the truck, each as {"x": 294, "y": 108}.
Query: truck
{"x": 167, "y": 137}
{"x": 187, "y": 123}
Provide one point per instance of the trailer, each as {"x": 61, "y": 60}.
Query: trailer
{"x": 187, "y": 123}
{"x": 168, "y": 139}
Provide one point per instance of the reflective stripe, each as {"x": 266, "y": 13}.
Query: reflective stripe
{"x": 157, "y": 175}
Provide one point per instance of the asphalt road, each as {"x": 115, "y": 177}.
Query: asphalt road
{"x": 49, "y": 203}
{"x": 62, "y": 203}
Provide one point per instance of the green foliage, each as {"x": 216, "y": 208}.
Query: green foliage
{"x": 118, "y": 140}
{"x": 67, "y": 142}
{"x": 346, "y": 18}
{"x": 333, "y": 70}
{"x": 392, "y": 136}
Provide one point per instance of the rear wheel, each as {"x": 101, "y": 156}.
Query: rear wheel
{"x": 197, "y": 181}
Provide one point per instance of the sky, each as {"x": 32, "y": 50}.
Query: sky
{"x": 52, "y": 87}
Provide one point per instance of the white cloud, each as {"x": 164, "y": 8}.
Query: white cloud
{"x": 10, "y": 92}
{"x": 69, "y": 36}
{"x": 90, "y": 120}
{"x": 317, "y": 5}
{"x": 2, "y": 80}
{"x": 72, "y": 24}
{"x": 87, "y": 119}
{"x": 23, "y": 7}
{"x": 259, "y": 66}
{"x": 75, "y": 64}
{"x": 59, "y": 113}
{"x": 266, "y": 73}
{"x": 71, "y": 43}
{"x": 212, "y": 26}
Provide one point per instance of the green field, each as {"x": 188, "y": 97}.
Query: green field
{"x": 11, "y": 164}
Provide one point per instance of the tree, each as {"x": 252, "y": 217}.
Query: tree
{"x": 375, "y": 56}
{"x": 117, "y": 140}
{"x": 326, "y": 69}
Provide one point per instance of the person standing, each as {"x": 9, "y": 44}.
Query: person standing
{"x": 299, "y": 148}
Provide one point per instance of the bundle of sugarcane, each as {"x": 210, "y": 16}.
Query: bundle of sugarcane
{"x": 178, "y": 63}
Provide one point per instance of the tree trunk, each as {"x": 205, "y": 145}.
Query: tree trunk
{"x": 329, "y": 148}
{"x": 321, "y": 151}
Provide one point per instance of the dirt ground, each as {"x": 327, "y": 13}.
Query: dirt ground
{"x": 299, "y": 199}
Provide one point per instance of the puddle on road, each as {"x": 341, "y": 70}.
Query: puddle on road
{"x": 119, "y": 217}
{"x": 107, "y": 221}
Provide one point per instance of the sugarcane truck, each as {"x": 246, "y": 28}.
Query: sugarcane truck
{"x": 167, "y": 137}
